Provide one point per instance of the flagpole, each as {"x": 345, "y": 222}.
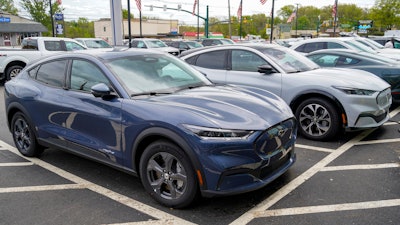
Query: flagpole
{"x": 272, "y": 21}
{"x": 335, "y": 19}
{"x": 240, "y": 25}
{"x": 129, "y": 24}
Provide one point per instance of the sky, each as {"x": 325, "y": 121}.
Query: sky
{"x": 96, "y": 9}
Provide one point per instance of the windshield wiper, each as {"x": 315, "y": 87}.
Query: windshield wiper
{"x": 151, "y": 93}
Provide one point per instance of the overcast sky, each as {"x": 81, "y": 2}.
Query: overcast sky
{"x": 96, "y": 9}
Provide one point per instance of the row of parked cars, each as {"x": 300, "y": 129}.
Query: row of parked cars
{"x": 217, "y": 120}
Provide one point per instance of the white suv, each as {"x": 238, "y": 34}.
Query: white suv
{"x": 323, "y": 100}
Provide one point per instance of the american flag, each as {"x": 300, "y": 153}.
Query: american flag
{"x": 139, "y": 4}
{"x": 263, "y": 1}
{"x": 239, "y": 12}
{"x": 334, "y": 9}
{"x": 194, "y": 7}
{"x": 59, "y": 2}
{"x": 291, "y": 17}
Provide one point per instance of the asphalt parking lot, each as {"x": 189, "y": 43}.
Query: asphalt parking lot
{"x": 353, "y": 180}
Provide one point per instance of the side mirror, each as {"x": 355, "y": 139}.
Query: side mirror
{"x": 267, "y": 69}
{"x": 100, "y": 90}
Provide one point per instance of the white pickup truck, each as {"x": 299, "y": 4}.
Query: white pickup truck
{"x": 12, "y": 61}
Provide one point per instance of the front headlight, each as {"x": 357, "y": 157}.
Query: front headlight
{"x": 355, "y": 91}
{"x": 216, "y": 133}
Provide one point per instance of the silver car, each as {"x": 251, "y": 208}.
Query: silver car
{"x": 324, "y": 100}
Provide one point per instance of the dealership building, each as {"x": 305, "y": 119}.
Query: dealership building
{"x": 15, "y": 28}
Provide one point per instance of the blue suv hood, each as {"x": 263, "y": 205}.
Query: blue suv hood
{"x": 224, "y": 106}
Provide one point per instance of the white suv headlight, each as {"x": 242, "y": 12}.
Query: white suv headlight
{"x": 355, "y": 91}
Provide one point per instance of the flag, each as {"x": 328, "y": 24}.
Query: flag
{"x": 59, "y": 2}
{"x": 292, "y": 16}
{"x": 334, "y": 9}
{"x": 194, "y": 7}
{"x": 139, "y": 4}
{"x": 263, "y": 1}
{"x": 239, "y": 12}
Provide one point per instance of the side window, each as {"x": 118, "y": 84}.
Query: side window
{"x": 246, "y": 61}
{"x": 134, "y": 44}
{"x": 347, "y": 61}
{"x": 52, "y": 45}
{"x": 212, "y": 60}
{"x": 71, "y": 46}
{"x": 335, "y": 45}
{"x": 326, "y": 60}
{"x": 52, "y": 73}
{"x": 85, "y": 74}
{"x": 141, "y": 44}
{"x": 310, "y": 47}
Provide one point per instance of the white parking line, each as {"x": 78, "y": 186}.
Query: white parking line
{"x": 394, "y": 112}
{"x": 329, "y": 208}
{"x": 314, "y": 148}
{"x": 361, "y": 167}
{"x": 285, "y": 190}
{"x": 161, "y": 216}
{"x": 378, "y": 141}
{"x": 42, "y": 188}
{"x": 17, "y": 164}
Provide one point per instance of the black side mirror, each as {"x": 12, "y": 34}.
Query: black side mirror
{"x": 267, "y": 69}
{"x": 101, "y": 90}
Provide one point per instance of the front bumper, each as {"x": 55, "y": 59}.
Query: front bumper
{"x": 247, "y": 169}
{"x": 368, "y": 111}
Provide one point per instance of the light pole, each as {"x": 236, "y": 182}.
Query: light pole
{"x": 297, "y": 11}
{"x": 272, "y": 21}
{"x": 52, "y": 20}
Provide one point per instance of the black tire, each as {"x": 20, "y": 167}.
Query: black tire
{"x": 318, "y": 119}
{"x": 167, "y": 175}
{"x": 13, "y": 71}
{"x": 24, "y": 137}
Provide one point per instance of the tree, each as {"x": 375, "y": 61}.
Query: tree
{"x": 8, "y": 6}
{"x": 39, "y": 10}
{"x": 386, "y": 14}
{"x": 125, "y": 14}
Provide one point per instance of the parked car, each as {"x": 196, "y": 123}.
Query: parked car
{"x": 383, "y": 39}
{"x": 184, "y": 45}
{"x": 385, "y": 68}
{"x": 216, "y": 41}
{"x": 12, "y": 61}
{"x": 324, "y": 100}
{"x": 380, "y": 49}
{"x": 93, "y": 42}
{"x": 310, "y": 45}
{"x": 153, "y": 115}
{"x": 155, "y": 44}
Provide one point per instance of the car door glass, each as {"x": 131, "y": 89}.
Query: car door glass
{"x": 52, "y": 73}
{"x": 85, "y": 74}
{"x": 212, "y": 60}
{"x": 246, "y": 61}
{"x": 334, "y": 45}
{"x": 52, "y": 45}
{"x": 72, "y": 46}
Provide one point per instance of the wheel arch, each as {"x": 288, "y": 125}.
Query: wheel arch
{"x": 320, "y": 94}
{"x": 14, "y": 63}
{"x": 150, "y": 135}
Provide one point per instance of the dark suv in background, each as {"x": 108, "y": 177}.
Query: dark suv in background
{"x": 217, "y": 41}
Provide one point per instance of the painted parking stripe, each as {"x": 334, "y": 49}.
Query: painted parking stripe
{"x": 42, "y": 188}
{"x": 285, "y": 190}
{"x": 161, "y": 216}
{"x": 17, "y": 164}
{"x": 394, "y": 112}
{"x": 308, "y": 147}
{"x": 378, "y": 141}
{"x": 361, "y": 167}
{"x": 329, "y": 208}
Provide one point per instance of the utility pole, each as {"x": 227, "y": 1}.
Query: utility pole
{"x": 52, "y": 20}
{"x": 335, "y": 17}
{"x": 272, "y": 21}
{"x": 229, "y": 17}
{"x": 297, "y": 11}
